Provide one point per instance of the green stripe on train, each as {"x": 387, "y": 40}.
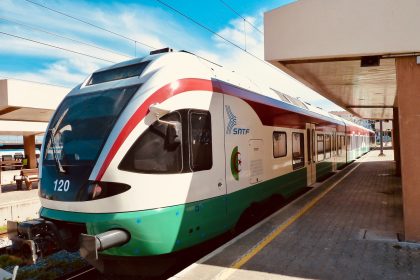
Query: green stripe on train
{"x": 322, "y": 169}
{"x": 168, "y": 229}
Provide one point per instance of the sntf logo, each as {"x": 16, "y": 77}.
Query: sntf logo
{"x": 231, "y": 126}
{"x": 235, "y": 163}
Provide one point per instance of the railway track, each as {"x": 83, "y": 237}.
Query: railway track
{"x": 89, "y": 272}
{"x": 4, "y": 242}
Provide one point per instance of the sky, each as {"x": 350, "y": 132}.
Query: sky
{"x": 150, "y": 23}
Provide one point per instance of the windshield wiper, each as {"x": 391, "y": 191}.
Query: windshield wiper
{"x": 57, "y": 160}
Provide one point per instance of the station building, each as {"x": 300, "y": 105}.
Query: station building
{"x": 25, "y": 110}
{"x": 364, "y": 56}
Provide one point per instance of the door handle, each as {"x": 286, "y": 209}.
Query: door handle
{"x": 219, "y": 184}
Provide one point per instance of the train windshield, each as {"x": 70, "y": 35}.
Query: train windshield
{"x": 82, "y": 123}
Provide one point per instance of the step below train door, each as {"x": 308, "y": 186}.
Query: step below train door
{"x": 310, "y": 143}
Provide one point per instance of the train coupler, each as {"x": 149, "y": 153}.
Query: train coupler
{"x": 33, "y": 239}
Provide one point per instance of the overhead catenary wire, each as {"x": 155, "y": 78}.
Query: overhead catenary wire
{"x": 218, "y": 35}
{"x": 136, "y": 41}
{"x": 94, "y": 25}
{"x": 61, "y": 36}
{"x": 199, "y": 24}
{"x": 54, "y": 46}
{"x": 245, "y": 20}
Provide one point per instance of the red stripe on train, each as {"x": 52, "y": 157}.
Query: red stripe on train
{"x": 159, "y": 96}
{"x": 269, "y": 114}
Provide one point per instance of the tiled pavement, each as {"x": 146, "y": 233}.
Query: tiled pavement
{"x": 351, "y": 233}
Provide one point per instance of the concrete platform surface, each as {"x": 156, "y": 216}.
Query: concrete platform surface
{"x": 18, "y": 205}
{"x": 6, "y": 176}
{"x": 345, "y": 228}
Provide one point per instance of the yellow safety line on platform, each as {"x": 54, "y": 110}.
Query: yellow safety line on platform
{"x": 270, "y": 237}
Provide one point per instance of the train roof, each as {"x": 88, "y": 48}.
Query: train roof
{"x": 282, "y": 99}
{"x": 263, "y": 93}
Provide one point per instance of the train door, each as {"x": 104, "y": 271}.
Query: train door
{"x": 310, "y": 143}
{"x": 218, "y": 175}
{"x": 334, "y": 151}
{"x": 206, "y": 139}
{"x": 256, "y": 156}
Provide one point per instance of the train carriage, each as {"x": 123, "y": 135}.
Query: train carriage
{"x": 158, "y": 154}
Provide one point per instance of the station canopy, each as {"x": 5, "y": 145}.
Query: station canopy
{"x": 345, "y": 50}
{"x": 26, "y": 107}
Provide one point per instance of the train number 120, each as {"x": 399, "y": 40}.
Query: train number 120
{"x": 61, "y": 185}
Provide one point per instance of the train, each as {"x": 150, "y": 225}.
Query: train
{"x": 158, "y": 154}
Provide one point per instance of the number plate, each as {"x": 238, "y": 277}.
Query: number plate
{"x": 61, "y": 185}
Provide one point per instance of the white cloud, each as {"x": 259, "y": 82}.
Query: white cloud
{"x": 259, "y": 70}
{"x": 154, "y": 26}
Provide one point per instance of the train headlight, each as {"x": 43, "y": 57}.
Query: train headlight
{"x": 98, "y": 190}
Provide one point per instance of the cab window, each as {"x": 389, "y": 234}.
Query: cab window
{"x": 179, "y": 142}
{"x": 158, "y": 149}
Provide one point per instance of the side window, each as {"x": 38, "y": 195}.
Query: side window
{"x": 279, "y": 144}
{"x": 158, "y": 149}
{"x": 341, "y": 145}
{"x": 353, "y": 142}
{"x": 298, "y": 150}
{"x": 348, "y": 143}
{"x": 320, "y": 147}
{"x": 308, "y": 141}
{"x": 327, "y": 146}
{"x": 201, "y": 157}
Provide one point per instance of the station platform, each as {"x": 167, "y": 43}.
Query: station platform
{"x": 347, "y": 227}
{"x": 18, "y": 205}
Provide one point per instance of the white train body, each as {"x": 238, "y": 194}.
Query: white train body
{"x": 240, "y": 144}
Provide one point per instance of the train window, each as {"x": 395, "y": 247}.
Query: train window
{"x": 82, "y": 123}
{"x": 348, "y": 143}
{"x": 279, "y": 144}
{"x": 338, "y": 147}
{"x": 308, "y": 143}
{"x": 341, "y": 145}
{"x": 118, "y": 73}
{"x": 320, "y": 147}
{"x": 327, "y": 146}
{"x": 158, "y": 149}
{"x": 298, "y": 150}
{"x": 201, "y": 157}
{"x": 353, "y": 142}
